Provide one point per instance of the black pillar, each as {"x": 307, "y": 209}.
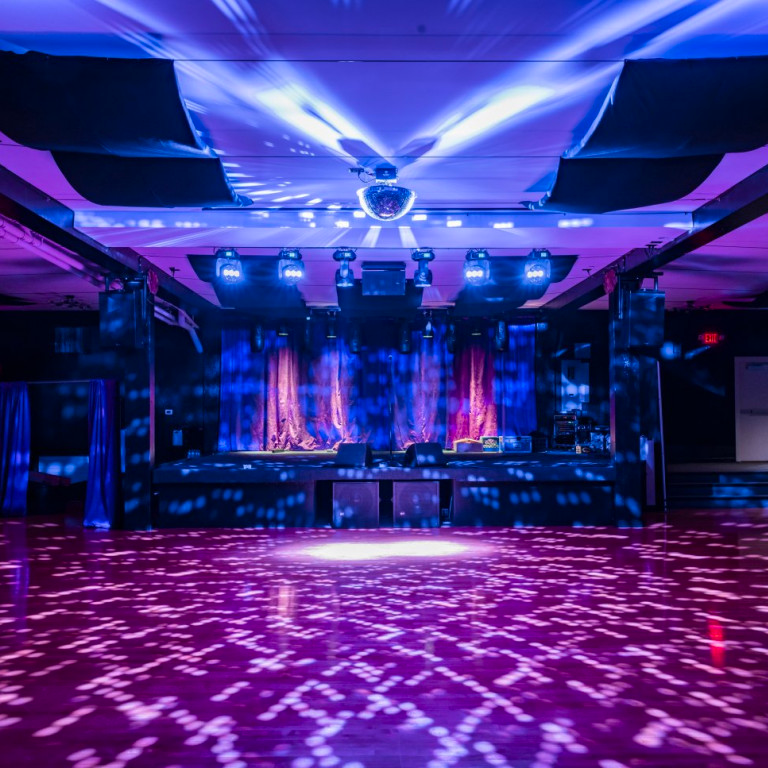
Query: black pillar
{"x": 636, "y": 328}
{"x": 138, "y": 394}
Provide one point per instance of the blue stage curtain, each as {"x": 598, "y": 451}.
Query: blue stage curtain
{"x": 241, "y": 417}
{"x": 14, "y": 447}
{"x": 101, "y": 495}
{"x": 516, "y": 380}
{"x": 421, "y": 390}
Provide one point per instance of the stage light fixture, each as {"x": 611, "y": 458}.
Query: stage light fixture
{"x": 385, "y": 201}
{"x": 229, "y": 268}
{"x": 477, "y": 268}
{"x": 345, "y": 277}
{"x": 429, "y": 329}
{"x": 538, "y": 267}
{"x": 282, "y": 329}
{"x": 258, "y": 339}
{"x": 501, "y": 336}
{"x": 450, "y": 338}
{"x": 354, "y": 340}
{"x": 422, "y": 277}
{"x": 291, "y": 267}
{"x": 405, "y": 337}
{"x": 330, "y": 332}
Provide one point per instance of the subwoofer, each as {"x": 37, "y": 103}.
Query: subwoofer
{"x": 356, "y": 505}
{"x": 416, "y": 503}
{"x": 354, "y": 455}
{"x": 424, "y": 455}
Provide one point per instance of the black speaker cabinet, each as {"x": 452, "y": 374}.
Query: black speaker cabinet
{"x": 645, "y": 321}
{"x": 416, "y": 503}
{"x": 424, "y": 455}
{"x": 121, "y": 319}
{"x": 356, "y": 505}
{"x": 354, "y": 455}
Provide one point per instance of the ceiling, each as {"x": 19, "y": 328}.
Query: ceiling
{"x": 473, "y": 100}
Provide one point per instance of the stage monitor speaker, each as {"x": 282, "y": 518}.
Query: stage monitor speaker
{"x": 416, "y": 503}
{"x": 121, "y": 319}
{"x": 356, "y": 505}
{"x": 424, "y": 455}
{"x": 645, "y": 319}
{"x": 354, "y": 455}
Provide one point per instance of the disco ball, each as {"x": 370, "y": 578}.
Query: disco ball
{"x": 386, "y": 202}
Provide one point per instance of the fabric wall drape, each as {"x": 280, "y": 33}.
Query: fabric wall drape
{"x": 101, "y": 497}
{"x": 473, "y": 405}
{"x": 309, "y": 392}
{"x": 516, "y": 382}
{"x": 15, "y": 435}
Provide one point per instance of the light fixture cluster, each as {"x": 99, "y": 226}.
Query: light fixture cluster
{"x": 477, "y": 269}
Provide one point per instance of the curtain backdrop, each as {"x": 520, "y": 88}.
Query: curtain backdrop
{"x": 101, "y": 495}
{"x": 304, "y": 391}
{"x": 15, "y": 432}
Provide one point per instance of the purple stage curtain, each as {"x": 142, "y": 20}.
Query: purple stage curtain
{"x": 15, "y": 426}
{"x": 473, "y": 404}
{"x": 101, "y": 497}
{"x": 261, "y": 407}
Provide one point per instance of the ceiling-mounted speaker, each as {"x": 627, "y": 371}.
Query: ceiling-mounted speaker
{"x": 645, "y": 320}
{"x": 122, "y": 319}
{"x": 384, "y": 278}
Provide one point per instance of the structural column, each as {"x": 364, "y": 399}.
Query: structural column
{"x": 636, "y": 326}
{"x": 138, "y": 398}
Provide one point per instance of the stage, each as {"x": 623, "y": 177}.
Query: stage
{"x": 303, "y": 489}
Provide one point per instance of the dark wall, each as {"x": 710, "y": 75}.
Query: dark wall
{"x": 568, "y": 336}
{"x": 698, "y": 385}
{"x": 65, "y": 346}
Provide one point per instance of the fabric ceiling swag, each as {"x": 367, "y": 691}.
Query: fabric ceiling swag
{"x": 663, "y": 128}
{"x": 112, "y": 118}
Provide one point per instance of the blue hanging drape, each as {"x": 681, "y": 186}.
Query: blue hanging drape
{"x": 516, "y": 381}
{"x": 15, "y": 431}
{"x": 103, "y": 457}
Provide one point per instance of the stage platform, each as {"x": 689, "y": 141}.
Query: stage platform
{"x": 308, "y": 489}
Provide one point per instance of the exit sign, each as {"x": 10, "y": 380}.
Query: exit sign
{"x": 711, "y": 338}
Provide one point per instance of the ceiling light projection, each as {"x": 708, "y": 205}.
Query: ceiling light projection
{"x": 538, "y": 267}
{"x": 229, "y": 268}
{"x": 345, "y": 278}
{"x": 477, "y": 269}
{"x": 422, "y": 277}
{"x": 291, "y": 267}
{"x": 384, "y": 200}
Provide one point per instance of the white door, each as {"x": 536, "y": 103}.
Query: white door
{"x": 751, "y": 408}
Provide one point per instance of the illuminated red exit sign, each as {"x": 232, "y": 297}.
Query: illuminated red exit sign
{"x": 711, "y": 338}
